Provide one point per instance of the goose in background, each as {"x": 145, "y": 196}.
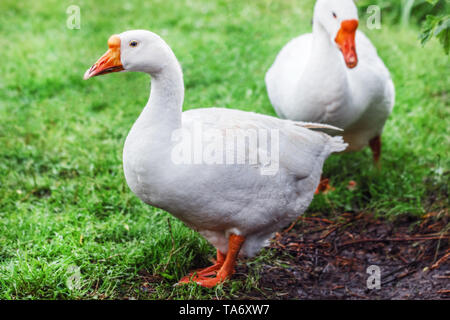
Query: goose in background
{"x": 334, "y": 76}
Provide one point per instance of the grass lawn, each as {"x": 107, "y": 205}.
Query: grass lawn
{"x": 64, "y": 202}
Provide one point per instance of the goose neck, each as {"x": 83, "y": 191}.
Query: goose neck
{"x": 164, "y": 107}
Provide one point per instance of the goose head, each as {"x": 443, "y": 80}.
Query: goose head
{"x": 135, "y": 50}
{"x": 339, "y": 18}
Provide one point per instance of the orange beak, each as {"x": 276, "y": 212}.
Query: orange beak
{"x": 109, "y": 62}
{"x": 346, "y": 42}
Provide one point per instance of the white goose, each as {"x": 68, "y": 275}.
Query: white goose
{"x": 236, "y": 207}
{"x": 328, "y": 76}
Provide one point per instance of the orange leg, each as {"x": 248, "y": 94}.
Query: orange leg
{"x": 375, "y": 145}
{"x": 209, "y": 271}
{"x": 324, "y": 186}
{"x": 234, "y": 246}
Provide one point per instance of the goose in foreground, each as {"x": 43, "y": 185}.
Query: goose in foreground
{"x": 335, "y": 76}
{"x": 236, "y": 202}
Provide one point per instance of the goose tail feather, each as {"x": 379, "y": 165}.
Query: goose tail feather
{"x": 337, "y": 144}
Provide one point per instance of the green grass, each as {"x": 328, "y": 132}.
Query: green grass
{"x": 63, "y": 198}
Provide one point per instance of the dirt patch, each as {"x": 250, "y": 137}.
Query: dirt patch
{"x": 321, "y": 259}
{"x": 316, "y": 258}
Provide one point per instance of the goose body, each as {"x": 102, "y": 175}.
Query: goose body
{"x": 236, "y": 206}
{"x": 219, "y": 199}
{"x": 333, "y": 75}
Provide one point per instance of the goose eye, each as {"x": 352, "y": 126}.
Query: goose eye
{"x": 334, "y": 15}
{"x": 133, "y": 43}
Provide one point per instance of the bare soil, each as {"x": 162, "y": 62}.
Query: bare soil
{"x": 316, "y": 258}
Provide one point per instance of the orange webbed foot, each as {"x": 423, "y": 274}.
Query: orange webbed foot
{"x": 209, "y": 271}
{"x": 222, "y": 270}
{"x": 324, "y": 186}
{"x": 209, "y": 282}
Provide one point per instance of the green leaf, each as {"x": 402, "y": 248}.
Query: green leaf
{"x": 438, "y": 27}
